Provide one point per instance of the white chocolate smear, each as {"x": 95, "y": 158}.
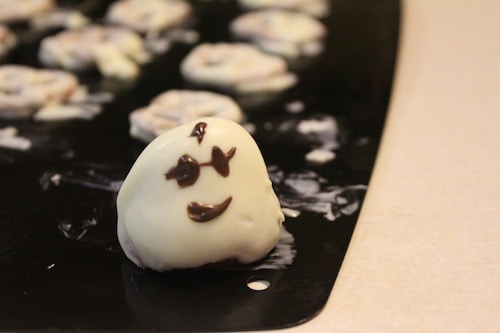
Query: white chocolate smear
{"x": 320, "y": 156}
{"x": 10, "y": 139}
{"x": 308, "y": 192}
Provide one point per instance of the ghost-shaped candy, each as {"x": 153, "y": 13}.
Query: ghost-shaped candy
{"x": 198, "y": 194}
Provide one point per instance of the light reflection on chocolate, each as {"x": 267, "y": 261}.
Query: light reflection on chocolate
{"x": 200, "y": 212}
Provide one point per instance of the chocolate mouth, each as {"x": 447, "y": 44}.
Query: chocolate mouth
{"x": 200, "y": 212}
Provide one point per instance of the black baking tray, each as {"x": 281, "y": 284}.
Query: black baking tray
{"x": 61, "y": 267}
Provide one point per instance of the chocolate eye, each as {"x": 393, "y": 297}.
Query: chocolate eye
{"x": 220, "y": 161}
{"x": 186, "y": 172}
{"x": 199, "y": 131}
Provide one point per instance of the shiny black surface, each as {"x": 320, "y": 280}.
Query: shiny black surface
{"x": 54, "y": 278}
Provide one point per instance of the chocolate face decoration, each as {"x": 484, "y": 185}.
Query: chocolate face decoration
{"x": 199, "y": 212}
{"x": 187, "y": 172}
{"x": 210, "y": 170}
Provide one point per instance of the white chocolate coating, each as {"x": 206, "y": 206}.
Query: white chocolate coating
{"x": 7, "y": 40}
{"x": 279, "y": 31}
{"x": 149, "y": 16}
{"x": 154, "y": 228}
{"x": 239, "y": 67}
{"x": 176, "y": 107}
{"x": 115, "y": 50}
{"x": 318, "y": 8}
{"x": 23, "y": 10}
{"x": 23, "y": 89}
{"x": 64, "y": 18}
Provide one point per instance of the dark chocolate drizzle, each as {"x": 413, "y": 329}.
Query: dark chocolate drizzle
{"x": 187, "y": 170}
{"x": 220, "y": 161}
{"x": 199, "y": 131}
{"x": 200, "y": 212}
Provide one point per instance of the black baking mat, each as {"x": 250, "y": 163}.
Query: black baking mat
{"x": 61, "y": 267}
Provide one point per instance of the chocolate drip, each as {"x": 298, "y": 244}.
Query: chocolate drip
{"x": 186, "y": 172}
{"x": 200, "y": 212}
{"x": 199, "y": 131}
